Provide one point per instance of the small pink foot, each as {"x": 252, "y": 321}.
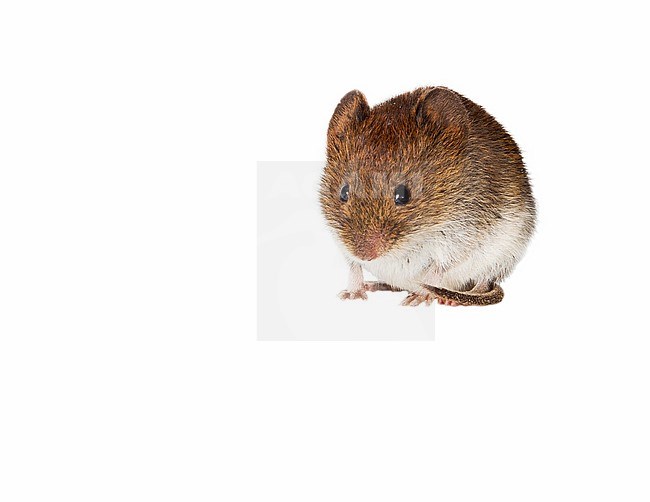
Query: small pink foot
{"x": 449, "y": 303}
{"x": 353, "y": 295}
{"x": 415, "y": 299}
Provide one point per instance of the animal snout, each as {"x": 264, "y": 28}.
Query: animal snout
{"x": 371, "y": 246}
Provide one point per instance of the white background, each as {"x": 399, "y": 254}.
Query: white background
{"x": 129, "y": 370}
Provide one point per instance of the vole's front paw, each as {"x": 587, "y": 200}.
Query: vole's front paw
{"x": 353, "y": 295}
{"x": 415, "y": 299}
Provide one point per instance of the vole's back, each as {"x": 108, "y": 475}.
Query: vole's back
{"x": 497, "y": 160}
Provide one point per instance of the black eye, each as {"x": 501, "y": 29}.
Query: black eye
{"x": 402, "y": 195}
{"x": 345, "y": 193}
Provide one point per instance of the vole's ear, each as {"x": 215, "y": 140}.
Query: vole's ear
{"x": 442, "y": 109}
{"x": 352, "y": 109}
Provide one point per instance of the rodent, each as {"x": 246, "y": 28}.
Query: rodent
{"x": 429, "y": 193}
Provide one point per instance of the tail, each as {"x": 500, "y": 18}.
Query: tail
{"x": 495, "y": 295}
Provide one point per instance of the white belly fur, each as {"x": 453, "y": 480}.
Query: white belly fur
{"x": 461, "y": 256}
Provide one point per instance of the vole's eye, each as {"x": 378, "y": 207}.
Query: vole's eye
{"x": 402, "y": 195}
{"x": 345, "y": 193}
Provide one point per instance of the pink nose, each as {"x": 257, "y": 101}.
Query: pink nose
{"x": 370, "y": 246}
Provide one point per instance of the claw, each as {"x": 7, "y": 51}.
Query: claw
{"x": 353, "y": 295}
{"x": 415, "y": 299}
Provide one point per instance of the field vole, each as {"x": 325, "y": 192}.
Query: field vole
{"x": 429, "y": 193}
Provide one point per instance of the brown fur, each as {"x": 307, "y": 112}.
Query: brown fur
{"x": 458, "y": 161}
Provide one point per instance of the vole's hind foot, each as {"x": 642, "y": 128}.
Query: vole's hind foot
{"x": 415, "y": 299}
{"x": 353, "y": 295}
{"x": 444, "y": 301}
{"x": 379, "y": 286}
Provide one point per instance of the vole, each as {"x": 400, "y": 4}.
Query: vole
{"x": 429, "y": 193}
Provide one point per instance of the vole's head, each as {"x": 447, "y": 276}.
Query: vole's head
{"x": 392, "y": 169}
